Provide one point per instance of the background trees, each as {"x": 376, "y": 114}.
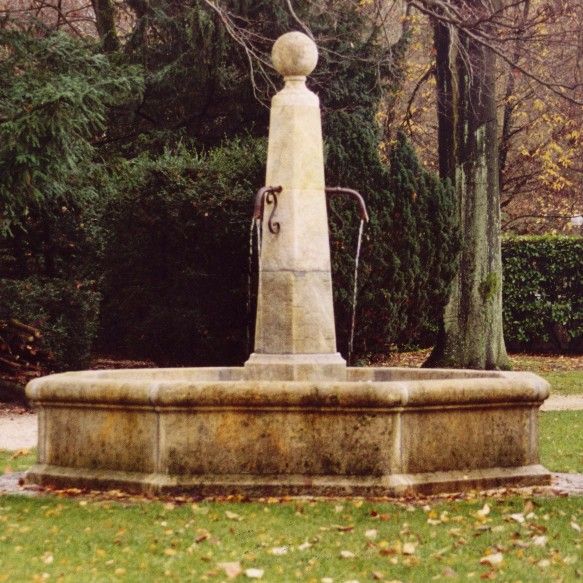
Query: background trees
{"x": 160, "y": 98}
{"x": 174, "y": 168}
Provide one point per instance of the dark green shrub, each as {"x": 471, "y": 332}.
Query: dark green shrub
{"x": 408, "y": 255}
{"x": 543, "y": 292}
{"x": 65, "y": 311}
{"x": 54, "y": 99}
{"x": 176, "y": 263}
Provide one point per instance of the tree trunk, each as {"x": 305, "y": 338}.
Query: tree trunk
{"x": 471, "y": 335}
{"x": 105, "y": 23}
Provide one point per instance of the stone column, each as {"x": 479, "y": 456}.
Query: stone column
{"x": 295, "y": 338}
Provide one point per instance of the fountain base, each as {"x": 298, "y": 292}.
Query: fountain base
{"x": 295, "y": 367}
{"x": 213, "y": 432}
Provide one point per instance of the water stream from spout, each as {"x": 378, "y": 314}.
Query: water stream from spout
{"x": 259, "y": 235}
{"x": 249, "y": 284}
{"x": 255, "y": 225}
{"x": 354, "y": 293}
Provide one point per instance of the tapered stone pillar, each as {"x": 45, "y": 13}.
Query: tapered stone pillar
{"x": 295, "y": 337}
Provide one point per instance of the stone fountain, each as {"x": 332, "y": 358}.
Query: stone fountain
{"x": 295, "y": 420}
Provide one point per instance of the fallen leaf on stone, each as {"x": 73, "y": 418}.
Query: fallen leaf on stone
{"x": 278, "y": 551}
{"x": 233, "y": 515}
{"x": 254, "y": 573}
{"x": 493, "y": 560}
{"x": 371, "y": 533}
{"x": 231, "y": 569}
{"x": 347, "y": 554}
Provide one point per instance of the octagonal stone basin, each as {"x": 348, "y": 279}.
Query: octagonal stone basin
{"x": 212, "y": 431}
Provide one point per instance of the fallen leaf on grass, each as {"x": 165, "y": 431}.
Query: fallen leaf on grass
{"x": 409, "y": 548}
{"x": 278, "y": 551}
{"x": 575, "y": 526}
{"x": 493, "y": 560}
{"x": 304, "y": 546}
{"x": 483, "y": 512}
{"x": 231, "y": 569}
{"x": 371, "y": 533}
{"x": 202, "y": 536}
{"x": 254, "y": 573}
{"x": 347, "y": 554}
{"x": 539, "y": 541}
{"x": 343, "y": 528}
{"x": 518, "y": 517}
{"x": 233, "y": 515}
{"x": 382, "y": 517}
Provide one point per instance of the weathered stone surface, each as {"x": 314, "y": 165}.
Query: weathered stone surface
{"x": 146, "y": 432}
{"x": 294, "y": 420}
{"x": 294, "y": 54}
{"x": 295, "y": 314}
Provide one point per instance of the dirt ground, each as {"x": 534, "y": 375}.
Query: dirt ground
{"x": 542, "y": 362}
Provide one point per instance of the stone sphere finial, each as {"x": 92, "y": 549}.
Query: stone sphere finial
{"x": 294, "y": 54}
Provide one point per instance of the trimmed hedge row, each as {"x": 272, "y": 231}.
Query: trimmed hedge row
{"x": 543, "y": 293}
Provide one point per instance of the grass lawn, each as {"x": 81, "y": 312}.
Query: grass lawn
{"x": 94, "y": 540}
{"x": 561, "y": 441}
{"x": 508, "y": 539}
{"x": 565, "y": 383}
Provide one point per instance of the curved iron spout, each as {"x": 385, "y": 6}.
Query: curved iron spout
{"x": 332, "y": 191}
{"x": 267, "y": 194}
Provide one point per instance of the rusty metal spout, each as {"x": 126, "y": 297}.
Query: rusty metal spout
{"x": 267, "y": 194}
{"x": 363, "y": 213}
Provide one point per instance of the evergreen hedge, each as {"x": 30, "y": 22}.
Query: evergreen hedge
{"x": 65, "y": 311}
{"x": 543, "y": 293}
{"x": 177, "y": 254}
{"x": 176, "y": 260}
